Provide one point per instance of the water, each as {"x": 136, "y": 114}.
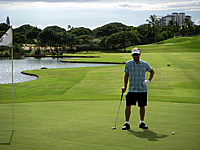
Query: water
{"x": 32, "y": 63}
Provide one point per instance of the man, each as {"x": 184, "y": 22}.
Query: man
{"x": 135, "y": 70}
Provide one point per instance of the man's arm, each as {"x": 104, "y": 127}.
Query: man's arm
{"x": 146, "y": 82}
{"x": 151, "y": 74}
{"x": 125, "y": 82}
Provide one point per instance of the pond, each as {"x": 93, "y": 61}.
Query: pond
{"x": 31, "y": 63}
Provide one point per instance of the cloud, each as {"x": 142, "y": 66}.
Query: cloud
{"x": 197, "y": 22}
{"x": 186, "y": 5}
{"x": 99, "y": 4}
{"x": 50, "y": 1}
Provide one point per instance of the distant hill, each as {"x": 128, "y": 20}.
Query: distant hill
{"x": 181, "y": 44}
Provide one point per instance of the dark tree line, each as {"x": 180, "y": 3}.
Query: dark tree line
{"x": 112, "y": 36}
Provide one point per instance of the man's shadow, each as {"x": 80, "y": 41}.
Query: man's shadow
{"x": 150, "y": 135}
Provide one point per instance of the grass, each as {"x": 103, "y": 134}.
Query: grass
{"x": 183, "y": 44}
{"x": 87, "y": 125}
{"x": 177, "y": 83}
{"x": 104, "y": 57}
{"x": 75, "y": 108}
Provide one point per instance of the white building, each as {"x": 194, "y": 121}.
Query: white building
{"x": 181, "y": 18}
{"x": 175, "y": 14}
{"x": 168, "y": 18}
{"x": 177, "y": 17}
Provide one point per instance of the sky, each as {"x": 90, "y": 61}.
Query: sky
{"x": 92, "y": 13}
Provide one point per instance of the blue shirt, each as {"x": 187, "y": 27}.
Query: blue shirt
{"x": 137, "y": 75}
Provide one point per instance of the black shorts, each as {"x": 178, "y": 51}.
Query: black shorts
{"x": 132, "y": 97}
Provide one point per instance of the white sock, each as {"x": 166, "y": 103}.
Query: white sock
{"x": 127, "y": 122}
{"x": 141, "y": 122}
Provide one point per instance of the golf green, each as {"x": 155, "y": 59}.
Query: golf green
{"x": 87, "y": 125}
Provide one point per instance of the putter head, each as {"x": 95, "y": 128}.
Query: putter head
{"x": 113, "y": 128}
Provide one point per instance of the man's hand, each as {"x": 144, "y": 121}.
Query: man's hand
{"x": 123, "y": 89}
{"x": 146, "y": 82}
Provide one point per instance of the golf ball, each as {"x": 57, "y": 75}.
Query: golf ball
{"x": 173, "y": 133}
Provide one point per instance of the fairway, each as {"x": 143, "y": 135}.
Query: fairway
{"x": 177, "y": 83}
{"x": 87, "y": 125}
{"x": 75, "y": 108}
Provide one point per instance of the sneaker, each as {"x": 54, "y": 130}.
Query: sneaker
{"x": 143, "y": 126}
{"x": 126, "y": 126}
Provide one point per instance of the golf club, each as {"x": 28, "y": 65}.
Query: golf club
{"x": 118, "y": 112}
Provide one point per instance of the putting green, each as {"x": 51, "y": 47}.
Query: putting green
{"x": 87, "y": 125}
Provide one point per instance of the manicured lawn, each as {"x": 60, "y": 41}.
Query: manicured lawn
{"x": 87, "y": 125}
{"x": 177, "y": 83}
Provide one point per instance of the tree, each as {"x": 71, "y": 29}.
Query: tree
{"x": 72, "y": 40}
{"x": 8, "y": 21}
{"x": 55, "y": 29}
{"x": 144, "y": 33}
{"x": 80, "y": 31}
{"x": 171, "y": 24}
{"x": 109, "y": 29}
{"x": 182, "y": 30}
{"x": 127, "y": 38}
{"x": 188, "y": 25}
{"x": 196, "y": 29}
{"x": 23, "y": 29}
{"x": 32, "y": 33}
{"x": 69, "y": 27}
{"x": 47, "y": 36}
{"x": 165, "y": 35}
{"x": 19, "y": 38}
{"x": 122, "y": 39}
{"x": 112, "y": 41}
{"x": 102, "y": 42}
{"x": 86, "y": 38}
{"x": 177, "y": 27}
{"x": 17, "y": 48}
{"x": 3, "y": 48}
{"x": 3, "y": 28}
{"x": 64, "y": 38}
{"x": 153, "y": 21}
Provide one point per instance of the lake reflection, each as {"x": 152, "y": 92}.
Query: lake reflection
{"x": 32, "y": 63}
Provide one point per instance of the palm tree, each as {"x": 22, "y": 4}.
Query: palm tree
{"x": 153, "y": 21}
{"x": 188, "y": 24}
{"x": 171, "y": 24}
{"x": 69, "y": 27}
{"x": 177, "y": 27}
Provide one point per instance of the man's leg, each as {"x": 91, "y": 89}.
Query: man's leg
{"x": 142, "y": 113}
{"x": 127, "y": 112}
{"x": 127, "y": 116}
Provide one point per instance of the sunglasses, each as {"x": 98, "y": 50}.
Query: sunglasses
{"x": 135, "y": 54}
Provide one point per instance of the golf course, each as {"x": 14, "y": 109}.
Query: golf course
{"x": 76, "y": 108}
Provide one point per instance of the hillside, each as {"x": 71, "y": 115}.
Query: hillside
{"x": 182, "y": 44}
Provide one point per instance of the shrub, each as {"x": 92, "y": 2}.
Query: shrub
{"x": 6, "y": 53}
{"x": 165, "y": 35}
{"x": 159, "y": 37}
{"x": 37, "y": 51}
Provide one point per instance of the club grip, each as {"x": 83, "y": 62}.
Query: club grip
{"x": 122, "y": 96}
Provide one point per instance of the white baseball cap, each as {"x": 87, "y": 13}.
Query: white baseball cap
{"x": 135, "y": 51}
